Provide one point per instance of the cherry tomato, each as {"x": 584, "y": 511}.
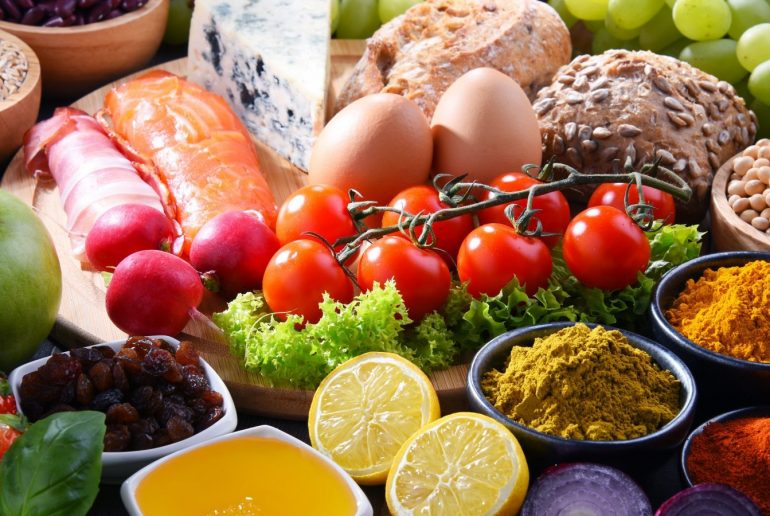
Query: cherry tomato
{"x": 7, "y": 436}
{"x": 421, "y": 275}
{"x": 554, "y": 209}
{"x": 493, "y": 254}
{"x": 604, "y": 248}
{"x": 612, "y": 194}
{"x": 320, "y": 209}
{"x": 299, "y": 274}
{"x": 7, "y": 404}
{"x": 449, "y": 233}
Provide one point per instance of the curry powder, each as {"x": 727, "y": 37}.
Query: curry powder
{"x": 580, "y": 383}
{"x": 727, "y": 311}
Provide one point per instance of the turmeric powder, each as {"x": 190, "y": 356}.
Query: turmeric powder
{"x": 727, "y": 311}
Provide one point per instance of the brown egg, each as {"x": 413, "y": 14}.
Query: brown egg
{"x": 379, "y": 145}
{"x": 484, "y": 126}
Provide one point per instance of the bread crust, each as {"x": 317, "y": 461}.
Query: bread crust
{"x": 601, "y": 110}
{"x": 420, "y": 53}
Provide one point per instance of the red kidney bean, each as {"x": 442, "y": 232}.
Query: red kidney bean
{"x": 69, "y": 21}
{"x": 98, "y": 12}
{"x": 2, "y": 14}
{"x": 113, "y": 14}
{"x": 23, "y": 5}
{"x": 54, "y": 21}
{"x": 79, "y": 19}
{"x": 129, "y": 5}
{"x": 86, "y": 4}
{"x": 11, "y": 11}
{"x": 64, "y": 8}
{"x": 33, "y": 16}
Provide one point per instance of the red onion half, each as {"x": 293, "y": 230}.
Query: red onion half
{"x": 706, "y": 499}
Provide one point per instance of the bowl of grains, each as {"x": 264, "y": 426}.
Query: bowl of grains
{"x": 86, "y": 43}
{"x": 732, "y": 449}
{"x": 19, "y": 92}
{"x": 583, "y": 392}
{"x": 740, "y": 201}
{"x": 714, "y": 312}
{"x": 157, "y": 394}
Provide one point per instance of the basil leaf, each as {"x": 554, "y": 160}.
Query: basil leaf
{"x": 54, "y": 467}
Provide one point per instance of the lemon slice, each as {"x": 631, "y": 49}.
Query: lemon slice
{"x": 366, "y": 408}
{"x": 462, "y": 464}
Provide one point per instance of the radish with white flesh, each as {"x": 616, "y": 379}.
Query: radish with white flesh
{"x": 236, "y": 246}
{"x": 584, "y": 488}
{"x": 153, "y": 293}
{"x": 124, "y": 230}
{"x": 709, "y": 499}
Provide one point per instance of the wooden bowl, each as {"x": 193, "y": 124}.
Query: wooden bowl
{"x": 74, "y": 60}
{"x": 728, "y": 230}
{"x": 19, "y": 111}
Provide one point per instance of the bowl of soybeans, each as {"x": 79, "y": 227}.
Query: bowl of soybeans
{"x": 740, "y": 201}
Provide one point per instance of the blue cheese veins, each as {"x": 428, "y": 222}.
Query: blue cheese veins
{"x": 270, "y": 60}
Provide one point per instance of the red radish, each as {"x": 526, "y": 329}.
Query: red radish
{"x": 237, "y": 247}
{"x": 126, "y": 229}
{"x": 153, "y": 293}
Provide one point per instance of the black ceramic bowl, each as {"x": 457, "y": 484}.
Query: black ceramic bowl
{"x": 724, "y": 382}
{"x": 543, "y": 449}
{"x": 763, "y": 411}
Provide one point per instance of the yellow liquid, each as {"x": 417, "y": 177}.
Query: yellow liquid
{"x": 246, "y": 475}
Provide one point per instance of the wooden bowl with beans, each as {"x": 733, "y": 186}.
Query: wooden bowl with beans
{"x": 740, "y": 201}
{"x": 87, "y": 43}
{"x": 19, "y": 92}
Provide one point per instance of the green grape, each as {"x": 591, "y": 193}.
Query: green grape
{"x": 587, "y": 9}
{"x": 702, "y": 20}
{"x": 335, "y": 15}
{"x": 675, "y": 48}
{"x": 742, "y": 90}
{"x": 389, "y": 9}
{"x": 178, "y": 22}
{"x": 632, "y": 14}
{"x": 603, "y": 40}
{"x": 594, "y": 25}
{"x": 358, "y": 19}
{"x": 670, "y": 3}
{"x": 715, "y": 57}
{"x": 617, "y": 32}
{"x": 754, "y": 46}
{"x": 759, "y": 82}
{"x": 560, "y": 6}
{"x": 659, "y": 32}
{"x": 746, "y": 14}
{"x": 762, "y": 111}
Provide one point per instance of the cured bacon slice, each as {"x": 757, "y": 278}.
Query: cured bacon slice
{"x": 195, "y": 146}
{"x": 91, "y": 173}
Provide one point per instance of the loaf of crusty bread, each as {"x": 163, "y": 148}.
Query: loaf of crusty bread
{"x": 601, "y": 110}
{"x": 420, "y": 53}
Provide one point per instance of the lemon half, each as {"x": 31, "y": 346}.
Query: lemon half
{"x": 462, "y": 464}
{"x": 366, "y": 408}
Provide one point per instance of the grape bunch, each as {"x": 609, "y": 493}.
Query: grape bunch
{"x": 729, "y": 39}
{"x": 358, "y": 19}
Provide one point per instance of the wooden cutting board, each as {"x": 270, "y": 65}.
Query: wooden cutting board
{"x": 83, "y": 319}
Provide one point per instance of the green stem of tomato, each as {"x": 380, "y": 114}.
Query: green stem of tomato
{"x": 457, "y": 192}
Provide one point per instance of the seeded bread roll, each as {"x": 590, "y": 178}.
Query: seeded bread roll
{"x": 420, "y": 53}
{"x": 602, "y": 109}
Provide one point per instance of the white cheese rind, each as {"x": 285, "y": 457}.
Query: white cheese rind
{"x": 270, "y": 60}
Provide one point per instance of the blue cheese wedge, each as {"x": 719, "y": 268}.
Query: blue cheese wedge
{"x": 270, "y": 60}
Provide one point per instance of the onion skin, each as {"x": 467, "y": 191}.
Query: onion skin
{"x": 597, "y": 488}
{"x": 710, "y": 498}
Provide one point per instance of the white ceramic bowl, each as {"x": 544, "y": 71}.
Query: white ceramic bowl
{"x": 128, "y": 490}
{"x": 117, "y": 466}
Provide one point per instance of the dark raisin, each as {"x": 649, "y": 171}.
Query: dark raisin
{"x": 187, "y": 354}
{"x": 84, "y": 390}
{"x": 176, "y": 398}
{"x": 171, "y": 409}
{"x": 117, "y": 438}
{"x": 174, "y": 374}
{"x": 213, "y": 415}
{"x": 67, "y": 393}
{"x": 34, "y": 410}
{"x": 119, "y": 378}
{"x": 60, "y": 369}
{"x": 147, "y": 400}
{"x": 131, "y": 366}
{"x": 88, "y": 356}
{"x": 101, "y": 375}
{"x": 167, "y": 388}
{"x": 212, "y": 398}
{"x": 141, "y": 441}
{"x": 161, "y": 438}
{"x": 34, "y": 388}
{"x": 106, "y": 351}
{"x": 194, "y": 381}
{"x": 198, "y": 407}
{"x": 123, "y": 413}
{"x": 141, "y": 345}
{"x": 157, "y": 362}
{"x": 104, "y": 400}
{"x": 178, "y": 429}
{"x": 142, "y": 378}
{"x": 146, "y": 425}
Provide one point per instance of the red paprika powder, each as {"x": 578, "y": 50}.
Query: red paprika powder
{"x": 736, "y": 453}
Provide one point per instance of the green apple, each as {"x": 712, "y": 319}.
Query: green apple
{"x": 358, "y": 19}
{"x": 389, "y": 9}
{"x": 178, "y": 22}
{"x": 335, "y": 15}
{"x": 30, "y": 282}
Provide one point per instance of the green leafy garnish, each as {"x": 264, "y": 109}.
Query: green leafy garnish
{"x": 288, "y": 353}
